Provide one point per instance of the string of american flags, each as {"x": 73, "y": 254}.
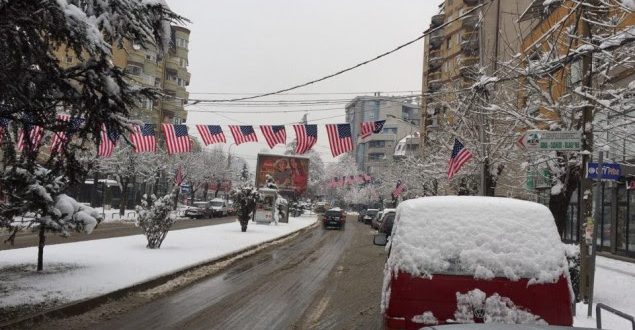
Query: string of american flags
{"x": 178, "y": 140}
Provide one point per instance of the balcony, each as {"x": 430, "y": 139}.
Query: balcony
{"x": 435, "y": 63}
{"x": 434, "y": 86}
{"x": 470, "y": 22}
{"x": 437, "y": 20}
{"x": 470, "y": 2}
{"x": 470, "y": 47}
{"x": 468, "y": 66}
{"x": 436, "y": 40}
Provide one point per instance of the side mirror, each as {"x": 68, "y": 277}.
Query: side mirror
{"x": 380, "y": 239}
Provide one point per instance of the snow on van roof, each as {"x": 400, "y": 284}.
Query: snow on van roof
{"x": 484, "y": 236}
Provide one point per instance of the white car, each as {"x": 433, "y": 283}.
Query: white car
{"x": 219, "y": 207}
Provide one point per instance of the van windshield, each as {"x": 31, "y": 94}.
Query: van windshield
{"x": 217, "y": 203}
{"x": 200, "y": 204}
{"x": 333, "y": 213}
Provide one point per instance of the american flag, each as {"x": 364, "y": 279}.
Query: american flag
{"x": 243, "y": 133}
{"x": 211, "y": 134}
{"x": 61, "y": 138}
{"x": 35, "y": 134}
{"x": 460, "y": 156}
{"x": 274, "y": 134}
{"x": 4, "y": 123}
{"x": 371, "y": 127}
{"x": 306, "y": 136}
{"x": 367, "y": 177}
{"x": 339, "y": 138}
{"x": 399, "y": 189}
{"x": 109, "y": 138}
{"x": 143, "y": 138}
{"x": 176, "y": 138}
{"x": 178, "y": 177}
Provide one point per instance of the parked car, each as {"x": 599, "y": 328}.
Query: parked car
{"x": 387, "y": 221}
{"x": 320, "y": 207}
{"x": 465, "y": 259}
{"x": 335, "y": 217}
{"x": 219, "y": 207}
{"x": 199, "y": 210}
{"x": 231, "y": 210}
{"x": 376, "y": 223}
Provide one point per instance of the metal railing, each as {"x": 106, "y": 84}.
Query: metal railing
{"x": 598, "y": 314}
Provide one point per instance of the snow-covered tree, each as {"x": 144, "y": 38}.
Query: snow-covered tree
{"x": 245, "y": 199}
{"x": 128, "y": 167}
{"x": 156, "y": 218}
{"x": 35, "y": 85}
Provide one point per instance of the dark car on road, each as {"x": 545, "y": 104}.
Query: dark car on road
{"x": 368, "y": 216}
{"x": 334, "y": 218}
{"x": 376, "y": 223}
{"x": 199, "y": 210}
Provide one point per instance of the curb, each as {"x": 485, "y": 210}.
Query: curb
{"x": 83, "y": 306}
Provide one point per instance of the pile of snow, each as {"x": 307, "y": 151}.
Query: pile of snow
{"x": 492, "y": 309}
{"x": 486, "y": 237}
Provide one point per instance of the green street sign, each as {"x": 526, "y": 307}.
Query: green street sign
{"x": 541, "y": 140}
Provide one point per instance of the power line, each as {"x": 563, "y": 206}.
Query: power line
{"x": 349, "y": 68}
{"x": 312, "y": 93}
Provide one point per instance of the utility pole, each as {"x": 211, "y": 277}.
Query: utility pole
{"x": 586, "y": 206}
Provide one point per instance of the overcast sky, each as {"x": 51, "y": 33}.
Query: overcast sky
{"x": 260, "y": 46}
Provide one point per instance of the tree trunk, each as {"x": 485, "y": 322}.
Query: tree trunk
{"x": 40, "y": 248}
{"x": 124, "y": 197}
{"x": 205, "y": 187}
{"x": 558, "y": 205}
{"x": 176, "y": 197}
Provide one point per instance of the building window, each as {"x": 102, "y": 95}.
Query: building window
{"x": 134, "y": 70}
{"x": 180, "y": 42}
{"x": 389, "y": 130}
{"x": 157, "y": 82}
{"x": 69, "y": 60}
{"x": 377, "y": 144}
{"x": 376, "y": 156}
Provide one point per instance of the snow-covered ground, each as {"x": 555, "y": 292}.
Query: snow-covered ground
{"x": 614, "y": 286}
{"x": 76, "y": 271}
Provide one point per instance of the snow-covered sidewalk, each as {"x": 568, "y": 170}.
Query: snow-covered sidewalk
{"x": 615, "y": 287}
{"x": 81, "y": 270}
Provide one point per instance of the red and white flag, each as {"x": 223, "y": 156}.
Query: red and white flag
{"x": 108, "y": 142}
{"x": 274, "y": 134}
{"x": 399, "y": 189}
{"x": 62, "y": 137}
{"x": 460, "y": 155}
{"x": 178, "y": 177}
{"x": 371, "y": 127}
{"x": 35, "y": 134}
{"x": 176, "y": 138}
{"x": 143, "y": 138}
{"x": 243, "y": 133}
{"x": 306, "y": 136}
{"x": 211, "y": 134}
{"x": 340, "y": 138}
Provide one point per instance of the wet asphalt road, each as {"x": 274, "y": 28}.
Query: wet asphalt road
{"x": 104, "y": 230}
{"x": 323, "y": 279}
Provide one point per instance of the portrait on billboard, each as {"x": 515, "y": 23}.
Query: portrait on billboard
{"x": 291, "y": 174}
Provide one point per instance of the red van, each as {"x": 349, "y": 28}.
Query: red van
{"x": 466, "y": 259}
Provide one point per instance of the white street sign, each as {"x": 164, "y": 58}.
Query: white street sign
{"x": 540, "y": 140}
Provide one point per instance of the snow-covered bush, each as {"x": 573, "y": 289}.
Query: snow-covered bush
{"x": 156, "y": 218}
{"x": 245, "y": 199}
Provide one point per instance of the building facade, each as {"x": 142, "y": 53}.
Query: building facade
{"x": 459, "y": 43}
{"x": 167, "y": 72}
{"x": 402, "y": 116}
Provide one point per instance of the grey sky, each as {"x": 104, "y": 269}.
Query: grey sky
{"x": 261, "y": 46}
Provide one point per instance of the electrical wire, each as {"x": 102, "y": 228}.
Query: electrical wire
{"x": 347, "y": 69}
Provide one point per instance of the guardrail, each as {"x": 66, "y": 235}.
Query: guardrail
{"x": 598, "y": 314}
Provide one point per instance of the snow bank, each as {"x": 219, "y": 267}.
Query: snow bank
{"x": 483, "y": 236}
{"x": 493, "y": 309}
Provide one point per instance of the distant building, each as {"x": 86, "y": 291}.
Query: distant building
{"x": 402, "y": 118}
{"x": 408, "y": 146}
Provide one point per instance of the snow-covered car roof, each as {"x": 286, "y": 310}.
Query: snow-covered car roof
{"x": 335, "y": 209}
{"x": 389, "y": 210}
{"x": 483, "y": 236}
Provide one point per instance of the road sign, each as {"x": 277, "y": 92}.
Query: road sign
{"x": 541, "y": 140}
{"x": 611, "y": 171}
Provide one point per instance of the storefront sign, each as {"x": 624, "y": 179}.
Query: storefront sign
{"x": 611, "y": 171}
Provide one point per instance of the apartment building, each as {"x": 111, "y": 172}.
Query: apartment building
{"x": 402, "y": 116}
{"x": 168, "y": 72}
{"x": 460, "y": 41}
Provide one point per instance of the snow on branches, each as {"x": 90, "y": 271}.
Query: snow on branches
{"x": 156, "y": 218}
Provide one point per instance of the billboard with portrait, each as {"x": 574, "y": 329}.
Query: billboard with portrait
{"x": 290, "y": 173}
